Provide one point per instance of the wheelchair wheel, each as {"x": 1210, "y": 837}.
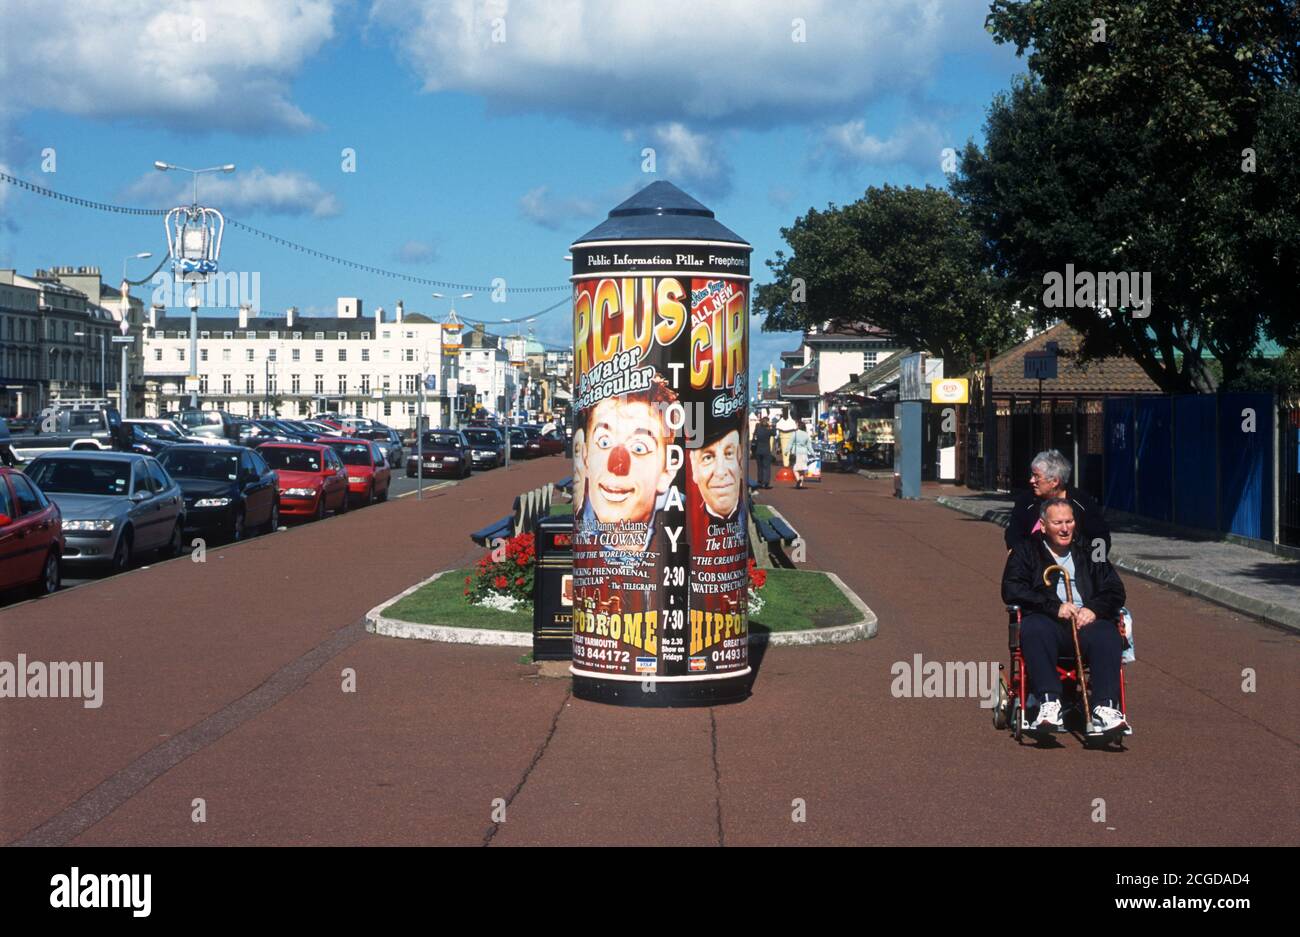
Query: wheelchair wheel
{"x": 1014, "y": 716}
{"x": 1000, "y": 706}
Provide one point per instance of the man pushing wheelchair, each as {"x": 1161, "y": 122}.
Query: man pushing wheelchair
{"x": 1067, "y": 599}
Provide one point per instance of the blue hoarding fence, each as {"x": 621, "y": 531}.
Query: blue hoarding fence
{"x": 1196, "y": 460}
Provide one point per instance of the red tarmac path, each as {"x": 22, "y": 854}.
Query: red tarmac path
{"x": 223, "y": 682}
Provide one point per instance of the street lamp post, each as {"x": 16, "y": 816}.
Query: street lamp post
{"x": 446, "y": 383}
{"x": 126, "y": 321}
{"x": 193, "y": 296}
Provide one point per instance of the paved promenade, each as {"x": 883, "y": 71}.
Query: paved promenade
{"x": 223, "y": 681}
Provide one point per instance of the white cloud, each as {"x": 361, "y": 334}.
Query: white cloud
{"x": 245, "y": 192}
{"x": 848, "y": 145}
{"x": 417, "y": 252}
{"x": 195, "y": 65}
{"x": 691, "y": 160}
{"x": 552, "y": 213}
{"x": 718, "y": 63}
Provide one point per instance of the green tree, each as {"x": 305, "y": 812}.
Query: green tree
{"x": 906, "y": 260}
{"x": 1151, "y": 136}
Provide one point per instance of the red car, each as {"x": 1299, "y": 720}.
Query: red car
{"x": 552, "y": 443}
{"x": 368, "y": 472}
{"x": 31, "y": 535}
{"x": 313, "y": 479}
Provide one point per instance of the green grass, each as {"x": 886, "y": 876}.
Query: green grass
{"x": 762, "y": 512}
{"x": 561, "y": 507}
{"x": 442, "y": 602}
{"x": 797, "y": 600}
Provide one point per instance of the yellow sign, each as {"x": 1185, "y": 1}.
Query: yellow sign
{"x": 949, "y": 390}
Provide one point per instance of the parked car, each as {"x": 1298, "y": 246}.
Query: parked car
{"x": 533, "y": 444}
{"x": 445, "y": 451}
{"x": 228, "y": 490}
{"x": 552, "y": 442}
{"x": 72, "y": 426}
{"x": 311, "y": 478}
{"x": 389, "y": 441}
{"x": 487, "y": 447}
{"x": 216, "y": 423}
{"x": 115, "y": 505}
{"x": 31, "y": 535}
{"x": 146, "y": 443}
{"x": 368, "y": 473}
{"x": 170, "y": 432}
{"x": 335, "y": 423}
{"x": 518, "y": 443}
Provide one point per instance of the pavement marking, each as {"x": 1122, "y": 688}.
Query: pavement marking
{"x": 120, "y": 787}
{"x": 407, "y": 494}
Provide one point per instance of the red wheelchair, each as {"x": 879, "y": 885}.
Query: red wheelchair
{"x": 1014, "y": 699}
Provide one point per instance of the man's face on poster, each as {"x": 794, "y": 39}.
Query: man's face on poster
{"x": 626, "y": 461}
{"x": 716, "y": 470}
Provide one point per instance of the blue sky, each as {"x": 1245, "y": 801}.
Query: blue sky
{"x": 488, "y": 135}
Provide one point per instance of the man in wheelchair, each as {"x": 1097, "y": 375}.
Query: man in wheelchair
{"x": 1091, "y": 601}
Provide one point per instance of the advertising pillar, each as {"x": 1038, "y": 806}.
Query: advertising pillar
{"x": 660, "y": 451}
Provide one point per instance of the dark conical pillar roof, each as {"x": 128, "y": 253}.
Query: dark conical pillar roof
{"x": 661, "y": 210}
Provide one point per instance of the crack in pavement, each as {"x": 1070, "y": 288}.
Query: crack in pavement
{"x": 717, "y": 777}
{"x": 122, "y": 785}
{"x": 537, "y": 757}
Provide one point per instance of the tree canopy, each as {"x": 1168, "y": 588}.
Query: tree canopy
{"x": 1155, "y": 136}
{"x": 903, "y": 259}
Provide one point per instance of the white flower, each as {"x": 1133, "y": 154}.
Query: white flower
{"x": 756, "y": 602}
{"x": 502, "y": 602}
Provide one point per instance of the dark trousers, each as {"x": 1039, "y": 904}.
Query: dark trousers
{"x": 764, "y": 469}
{"x": 1044, "y": 639}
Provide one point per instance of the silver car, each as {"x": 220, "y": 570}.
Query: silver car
{"x": 115, "y": 505}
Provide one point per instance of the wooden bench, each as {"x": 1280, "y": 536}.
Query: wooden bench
{"x": 524, "y": 514}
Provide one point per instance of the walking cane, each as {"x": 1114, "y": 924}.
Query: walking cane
{"x": 1074, "y": 630}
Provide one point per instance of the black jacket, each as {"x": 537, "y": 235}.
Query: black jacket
{"x": 1089, "y": 524}
{"x": 1022, "y": 581}
{"x": 762, "y": 442}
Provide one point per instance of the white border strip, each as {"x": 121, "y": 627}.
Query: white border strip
{"x": 628, "y": 275}
{"x": 664, "y": 242}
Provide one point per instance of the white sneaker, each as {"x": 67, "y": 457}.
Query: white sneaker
{"x": 1049, "y": 718}
{"x": 1105, "y": 719}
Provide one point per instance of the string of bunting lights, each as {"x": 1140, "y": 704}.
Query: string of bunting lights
{"x": 283, "y": 242}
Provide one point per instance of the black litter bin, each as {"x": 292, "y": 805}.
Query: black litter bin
{"x": 553, "y": 589}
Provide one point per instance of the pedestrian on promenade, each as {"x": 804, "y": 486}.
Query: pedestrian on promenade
{"x": 762, "y": 445}
{"x": 786, "y": 427}
{"x": 801, "y": 450}
{"x": 1049, "y": 479}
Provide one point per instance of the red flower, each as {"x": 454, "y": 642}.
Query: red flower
{"x": 502, "y": 582}
{"x": 468, "y": 580}
{"x": 519, "y": 581}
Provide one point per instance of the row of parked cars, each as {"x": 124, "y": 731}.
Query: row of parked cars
{"x": 480, "y": 446}
{"x": 105, "y": 507}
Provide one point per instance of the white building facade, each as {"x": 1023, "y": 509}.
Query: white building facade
{"x": 296, "y": 366}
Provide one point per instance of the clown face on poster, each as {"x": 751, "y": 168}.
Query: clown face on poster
{"x": 660, "y": 449}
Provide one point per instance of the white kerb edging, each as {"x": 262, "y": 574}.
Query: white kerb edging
{"x": 378, "y": 623}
